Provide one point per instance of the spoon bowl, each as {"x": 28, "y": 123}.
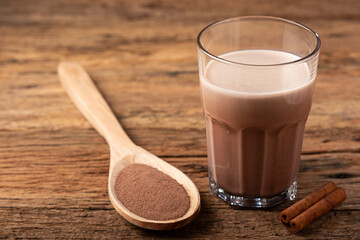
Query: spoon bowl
{"x": 123, "y": 152}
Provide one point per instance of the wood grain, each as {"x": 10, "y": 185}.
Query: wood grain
{"x": 54, "y": 166}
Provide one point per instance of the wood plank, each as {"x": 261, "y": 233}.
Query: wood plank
{"x": 163, "y": 113}
{"x": 81, "y": 209}
{"x": 162, "y": 82}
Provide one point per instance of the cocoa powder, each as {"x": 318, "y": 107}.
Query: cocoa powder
{"x": 151, "y": 194}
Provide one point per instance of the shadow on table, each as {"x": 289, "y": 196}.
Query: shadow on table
{"x": 201, "y": 222}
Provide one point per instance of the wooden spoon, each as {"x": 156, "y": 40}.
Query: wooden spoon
{"x": 123, "y": 151}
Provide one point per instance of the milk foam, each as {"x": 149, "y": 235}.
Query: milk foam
{"x": 256, "y": 78}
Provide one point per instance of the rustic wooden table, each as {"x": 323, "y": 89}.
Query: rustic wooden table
{"x": 142, "y": 56}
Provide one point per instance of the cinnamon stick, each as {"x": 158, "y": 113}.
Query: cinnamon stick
{"x": 319, "y": 208}
{"x": 305, "y": 203}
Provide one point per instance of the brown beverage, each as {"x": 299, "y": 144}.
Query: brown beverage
{"x": 255, "y": 121}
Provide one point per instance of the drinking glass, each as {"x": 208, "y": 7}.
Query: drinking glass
{"x": 257, "y": 77}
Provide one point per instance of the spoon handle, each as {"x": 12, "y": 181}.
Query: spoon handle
{"x": 91, "y": 104}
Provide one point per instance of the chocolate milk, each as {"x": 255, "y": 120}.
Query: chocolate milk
{"x": 255, "y": 118}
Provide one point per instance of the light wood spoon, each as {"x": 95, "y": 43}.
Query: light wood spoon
{"x": 123, "y": 151}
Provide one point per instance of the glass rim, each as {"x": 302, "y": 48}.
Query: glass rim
{"x": 270, "y": 18}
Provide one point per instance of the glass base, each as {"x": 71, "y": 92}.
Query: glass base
{"x": 252, "y": 202}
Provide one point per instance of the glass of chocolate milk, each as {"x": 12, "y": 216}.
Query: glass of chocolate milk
{"x": 257, "y": 77}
